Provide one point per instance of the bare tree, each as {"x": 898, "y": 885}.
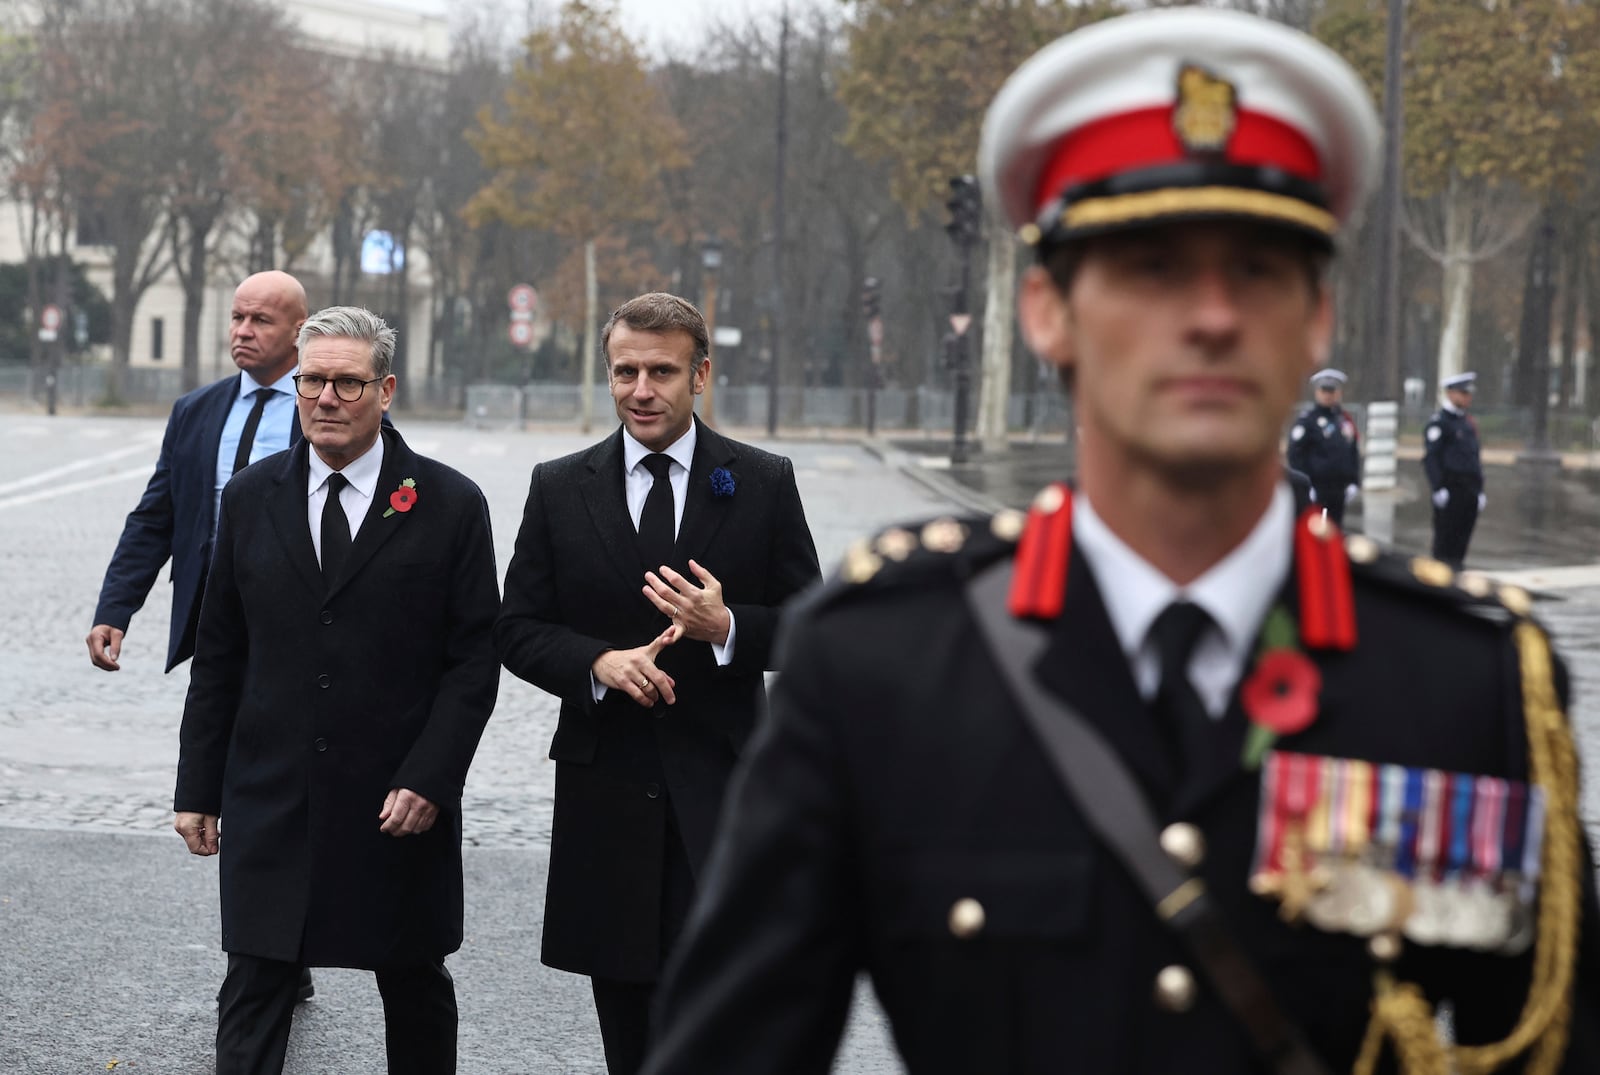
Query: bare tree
{"x": 1470, "y": 221}
{"x": 98, "y": 135}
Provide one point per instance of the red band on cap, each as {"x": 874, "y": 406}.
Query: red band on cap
{"x": 1146, "y": 139}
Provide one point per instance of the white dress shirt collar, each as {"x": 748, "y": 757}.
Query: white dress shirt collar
{"x": 681, "y": 450}
{"x": 1236, "y": 592}
{"x": 361, "y": 473}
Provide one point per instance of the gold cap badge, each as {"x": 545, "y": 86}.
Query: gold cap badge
{"x": 1206, "y": 112}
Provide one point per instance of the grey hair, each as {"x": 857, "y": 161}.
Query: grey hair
{"x": 352, "y": 323}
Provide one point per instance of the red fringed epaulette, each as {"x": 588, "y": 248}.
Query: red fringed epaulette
{"x": 1327, "y": 604}
{"x": 1039, "y": 586}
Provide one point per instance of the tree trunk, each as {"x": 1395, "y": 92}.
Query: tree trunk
{"x": 122, "y": 312}
{"x": 30, "y": 255}
{"x": 591, "y": 311}
{"x": 994, "y": 393}
{"x": 1590, "y": 283}
{"x": 1457, "y": 296}
{"x": 194, "y": 289}
{"x": 401, "y": 275}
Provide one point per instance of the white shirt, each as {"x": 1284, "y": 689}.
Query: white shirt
{"x": 637, "y": 479}
{"x": 1237, "y": 593}
{"x": 636, "y": 483}
{"x": 355, "y": 498}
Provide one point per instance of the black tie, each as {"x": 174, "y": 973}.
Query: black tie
{"x": 247, "y": 439}
{"x": 1177, "y": 707}
{"x": 335, "y": 530}
{"x": 656, "y": 524}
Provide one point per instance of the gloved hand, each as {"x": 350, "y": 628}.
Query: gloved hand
{"x": 1351, "y": 492}
{"x": 1441, "y": 497}
{"x": 1483, "y": 498}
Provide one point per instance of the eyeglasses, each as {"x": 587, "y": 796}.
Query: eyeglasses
{"x": 349, "y": 389}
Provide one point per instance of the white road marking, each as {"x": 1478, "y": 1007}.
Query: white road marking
{"x": 72, "y": 487}
{"x": 140, "y": 447}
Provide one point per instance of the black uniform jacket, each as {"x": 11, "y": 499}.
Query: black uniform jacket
{"x": 308, "y": 703}
{"x": 1450, "y": 453}
{"x": 573, "y": 591}
{"x": 1324, "y": 447}
{"x": 895, "y": 779}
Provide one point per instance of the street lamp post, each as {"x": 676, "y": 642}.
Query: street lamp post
{"x": 711, "y": 262}
{"x": 965, "y": 205}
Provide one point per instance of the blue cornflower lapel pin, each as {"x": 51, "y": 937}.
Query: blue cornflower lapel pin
{"x": 722, "y": 483}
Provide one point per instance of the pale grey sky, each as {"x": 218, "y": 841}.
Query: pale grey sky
{"x": 663, "y": 24}
{"x": 657, "y": 24}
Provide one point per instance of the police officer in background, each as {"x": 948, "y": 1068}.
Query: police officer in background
{"x": 1324, "y": 446}
{"x": 1451, "y": 458}
{"x": 1161, "y": 778}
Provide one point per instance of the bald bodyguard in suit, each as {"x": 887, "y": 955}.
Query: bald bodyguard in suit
{"x": 643, "y": 591}
{"x": 212, "y": 432}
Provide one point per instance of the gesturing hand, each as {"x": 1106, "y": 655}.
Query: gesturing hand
{"x": 634, "y": 671}
{"x": 697, "y": 609}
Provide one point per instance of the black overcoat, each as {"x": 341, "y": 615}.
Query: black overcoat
{"x": 308, "y": 703}
{"x": 573, "y": 591}
{"x": 895, "y": 779}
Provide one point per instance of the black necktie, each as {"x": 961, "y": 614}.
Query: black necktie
{"x": 1177, "y": 707}
{"x": 335, "y": 530}
{"x": 247, "y": 439}
{"x": 656, "y": 524}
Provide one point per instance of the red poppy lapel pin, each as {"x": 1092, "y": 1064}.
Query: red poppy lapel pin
{"x": 1280, "y": 694}
{"x": 402, "y": 499}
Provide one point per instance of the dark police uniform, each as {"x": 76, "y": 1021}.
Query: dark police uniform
{"x": 1452, "y": 461}
{"x": 1324, "y": 445}
{"x": 898, "y": 817}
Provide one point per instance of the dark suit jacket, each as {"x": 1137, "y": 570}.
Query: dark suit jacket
{"x": 895, "y": 778}
{"x": 174, "y": 519}
{"x": 307, "y": 704}
{"x": 573, "y": 592}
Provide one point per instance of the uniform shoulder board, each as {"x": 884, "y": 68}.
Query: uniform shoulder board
{"x": 947, "y": 546}
{"x": 1436, "y": 580}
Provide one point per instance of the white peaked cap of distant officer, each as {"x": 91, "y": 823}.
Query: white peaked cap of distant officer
{"x": 1179, "y": 113}
{"x": 1333, "y": 377}
{"x": 1465, "y": 382}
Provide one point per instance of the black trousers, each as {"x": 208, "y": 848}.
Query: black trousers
{"x": 1330, "y": 498}
{"x": 625, "y": 1008}
{"x": 256, "y": 1007}
{"x": 1453, "y": 523}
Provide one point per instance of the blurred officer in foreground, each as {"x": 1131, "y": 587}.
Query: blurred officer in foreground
{"x": 1160, "y": 778}
{"x": 1451, "y": 460}
{"x": 1324, "y": 446}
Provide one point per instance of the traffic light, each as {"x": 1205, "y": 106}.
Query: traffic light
{"x": 871, "y": 298}
{"x": 966, "y": 210}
